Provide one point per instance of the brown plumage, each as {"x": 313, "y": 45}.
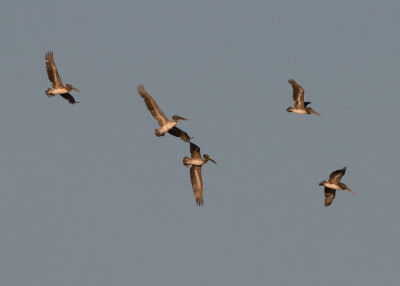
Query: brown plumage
{"x": 69, "y": 97}
{"x": 298, "y": 94}
{"x": 197, "y": 184}
{"x": 334, "y": 184}
{"x": 54, "y": 77}
{"x": 336, "y": 176}
{"x": 175, "y": 131}
{"x": 300, "y": 106}
{"x": 52, "y": 71}
{"x": 329, "y": 196}
{"x": 165, "y": 124}
{"x": 195, "y": 171}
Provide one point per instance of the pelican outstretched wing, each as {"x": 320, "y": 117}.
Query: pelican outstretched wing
{"x": 195, "y": 151}
{"x": 336, "y": 176}
{"x": 68, "y": 97}
{"x": 329, "y": 196}
{"x": 298, "y": 94}
{"x": 179, "y": 133}
{"x": 52, "y": 72}
{"x": 197, "y": 184}
{"x": 152, "y": 106}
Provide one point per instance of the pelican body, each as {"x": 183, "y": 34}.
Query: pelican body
{"x": 195, "y": 171}
{"x": 165, "y": 124}
{"x": 334, "y": 184}
{"x": 54, "y": 77}
{"x": 300, "y": 107}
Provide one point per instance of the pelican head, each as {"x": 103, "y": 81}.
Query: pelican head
{"x": 69, "y": 87}
{"x": 289, "y": 109}
{"x": 208, "y": 158}
{"x": 176, "y": 118}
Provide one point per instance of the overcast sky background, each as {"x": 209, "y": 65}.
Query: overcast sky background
{"x": 90, "y": 196}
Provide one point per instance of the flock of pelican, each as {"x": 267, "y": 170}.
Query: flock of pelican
{"x": 166, "y": 125}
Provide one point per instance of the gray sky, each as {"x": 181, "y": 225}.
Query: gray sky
{"x": 89, "y": 196}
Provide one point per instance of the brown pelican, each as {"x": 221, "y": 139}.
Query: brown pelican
{"x": 54, "y": 77}
{"x": 300, "y": 106}
{"x": 333, "y": 185}
{"x": 195, "y": 171}
{"x": 165, "y": 124}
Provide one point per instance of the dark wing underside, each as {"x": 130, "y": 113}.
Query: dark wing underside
{"x": 52, "y": 72}
{"x": 298, "y": 94}
{"x": 152, "y": 106}
{"x": 329, "y": 196}
{"x": 195, "y": 151}
{"x": 335, "y": 176}
{"x": 179, "y": 133}
{"x": 69, "y": 97}
{"x": 197, "y": 184}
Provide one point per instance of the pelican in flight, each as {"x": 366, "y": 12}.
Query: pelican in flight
{"x": 300, "y": 106}
{"x": 195, "y": 171}
{"x": 334, "y": 184}
{"x": 165, "y": 124}
{"x": 54, "y": 77}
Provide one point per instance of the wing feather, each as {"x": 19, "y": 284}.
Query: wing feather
{"x": 52, "y": 72}
{"x": 329, "y": 196}
{"x": 195, "y": 151}
{"x": 298, "y": 94}
{"x": 179, "y": 133}
{"x": 152, "y": 106}
{"x": 69, "y": 97}
{"x": 197, "y": 184}
{"x": 336, "y": 176}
